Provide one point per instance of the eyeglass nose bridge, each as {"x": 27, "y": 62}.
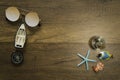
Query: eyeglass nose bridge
{"x": 23, "y": 12}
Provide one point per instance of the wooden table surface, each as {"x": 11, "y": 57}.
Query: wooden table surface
{"x": 66, "y": 27}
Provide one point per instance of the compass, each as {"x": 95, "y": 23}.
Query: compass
{"x": 17, "y": 57}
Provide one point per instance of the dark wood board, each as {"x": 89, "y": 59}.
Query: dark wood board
{"x": 66, "y": 27}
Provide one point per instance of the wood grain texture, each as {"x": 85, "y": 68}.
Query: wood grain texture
{"x": 56, "y": 61}
{"x": 51, "y": 49}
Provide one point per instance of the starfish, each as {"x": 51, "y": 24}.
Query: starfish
{"x": 85, "y": 60}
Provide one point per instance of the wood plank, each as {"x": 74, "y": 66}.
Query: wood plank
{"x": 56, "y": 61}
{"x": 66, "y": 21}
